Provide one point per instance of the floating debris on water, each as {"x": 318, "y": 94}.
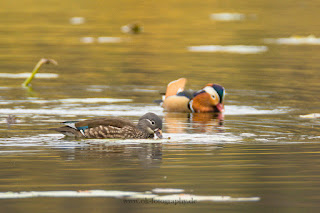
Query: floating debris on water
{"x": 312, "y": 115}
{"x": 227, "y": 16}
{"x": 128, "y": 195}
{"x": 109, "y": 40}
{"x": 101, "y": 40}
{"x": 133, "y": 28}
{"x": 294, "y": 40}
{"x": 26, "y": 75}
{"x": 240, "y": 49}
{"x": 77, "y": 20}
{"x": 87, "y": 40}
{"x": 11, "y": 119}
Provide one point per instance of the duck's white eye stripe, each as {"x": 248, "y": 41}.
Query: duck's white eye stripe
{"x": 212, "y": 92}
{"x": 151, "y": 122}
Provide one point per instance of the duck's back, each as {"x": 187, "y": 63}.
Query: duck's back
{"x": 105, "y": 127}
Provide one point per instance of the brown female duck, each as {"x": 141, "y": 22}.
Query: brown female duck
{"x": 149, "y": 126}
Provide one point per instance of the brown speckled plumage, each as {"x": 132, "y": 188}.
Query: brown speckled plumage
{"x": 114, "y": 127}
{"x": 114, "y": 132}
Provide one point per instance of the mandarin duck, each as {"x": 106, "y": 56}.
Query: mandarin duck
{"x": 208, "y": 99}
{"x": 149, "y": 126}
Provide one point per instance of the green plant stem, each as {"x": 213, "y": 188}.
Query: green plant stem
{"x": 42, "y": 61}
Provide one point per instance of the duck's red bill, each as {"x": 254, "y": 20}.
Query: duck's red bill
{"x": 220, "y": 107}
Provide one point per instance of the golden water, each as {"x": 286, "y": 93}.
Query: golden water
{"x": 272, "y": 154}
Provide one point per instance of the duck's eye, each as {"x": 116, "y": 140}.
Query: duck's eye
{"x": 153, "y": 123}
{"x": 213, "y": 96}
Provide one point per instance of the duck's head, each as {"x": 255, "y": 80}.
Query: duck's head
{"x": 151, "y": 124}
{"x": 209, "y": 99}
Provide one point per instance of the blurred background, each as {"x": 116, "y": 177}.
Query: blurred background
{"x": 263, "y": 147}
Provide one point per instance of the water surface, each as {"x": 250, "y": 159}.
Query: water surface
{"x": 261, "y": 148}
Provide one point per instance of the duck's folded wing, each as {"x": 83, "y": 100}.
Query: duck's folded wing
{"x": 107, "y": 128}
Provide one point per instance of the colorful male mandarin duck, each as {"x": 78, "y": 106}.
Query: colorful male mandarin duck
{"x": 149, "y": 126}
{"x": 208, "y": 99}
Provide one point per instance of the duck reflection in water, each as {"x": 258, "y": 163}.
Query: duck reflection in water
{"x": 193, "y": 122}
{"x": 148, "y": 155}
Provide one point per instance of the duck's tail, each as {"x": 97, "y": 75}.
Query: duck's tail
{"x": 175, "y": 87}
{"x": 68, "y": 131}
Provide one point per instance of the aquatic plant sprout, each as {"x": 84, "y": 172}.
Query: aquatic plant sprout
{"x": 42, "y": 61}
